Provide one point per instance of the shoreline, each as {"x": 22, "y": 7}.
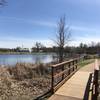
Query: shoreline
{"x": 21, "y": 53}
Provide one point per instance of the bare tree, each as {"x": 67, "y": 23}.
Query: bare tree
{"x": 63, "y": 36}
{"x": 38, "y": 46}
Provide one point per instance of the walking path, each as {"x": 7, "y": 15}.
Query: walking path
{"x": 74, "y": 88}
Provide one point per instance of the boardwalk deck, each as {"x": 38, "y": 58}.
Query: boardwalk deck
{"x": 74, "y": 88}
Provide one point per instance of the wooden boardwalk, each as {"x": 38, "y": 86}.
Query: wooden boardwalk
{"x": 74, "y": 88}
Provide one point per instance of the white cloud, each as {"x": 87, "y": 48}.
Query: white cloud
{"x": 85, "y": 40}
{"x": 84, "y": 2}
{"x": 84, "y": 28}
{"x": 34, "y": 22}
{"x": 48, "y": 23}
{"x": 44, "y": 23}
{"x": 12, "y": 42}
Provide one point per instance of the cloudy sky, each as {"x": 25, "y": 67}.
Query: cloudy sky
{"x": 22, "y": 22}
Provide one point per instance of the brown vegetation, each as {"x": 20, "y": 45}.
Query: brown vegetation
{"x": 24, "y": 81}
{"x": 23, "y": 71}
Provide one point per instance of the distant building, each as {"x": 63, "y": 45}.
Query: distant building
{"x": 24, "y": 50}
{"x": 19, "y": 49}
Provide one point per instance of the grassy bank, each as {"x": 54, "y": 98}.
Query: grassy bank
{"x": 82, "y": 63}
{"x": 13, "y": 53}
{"x": 26, "y": 53}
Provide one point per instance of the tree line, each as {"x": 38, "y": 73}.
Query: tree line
{"x": 92, "y": 48}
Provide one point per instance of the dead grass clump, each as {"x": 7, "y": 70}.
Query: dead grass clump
{"x": 23, "y": 71}
{"x": 20, "y": 72}
{"x": 41, "y": 69}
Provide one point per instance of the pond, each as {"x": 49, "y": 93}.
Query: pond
{"x": 27, "y": 58}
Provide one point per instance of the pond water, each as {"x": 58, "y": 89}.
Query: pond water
{"x": 29, "y": 58}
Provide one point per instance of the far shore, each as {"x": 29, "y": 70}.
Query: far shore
{"x": 24, "y": 53}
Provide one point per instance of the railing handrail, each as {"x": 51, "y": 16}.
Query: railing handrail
{"x": 65, "y": 62}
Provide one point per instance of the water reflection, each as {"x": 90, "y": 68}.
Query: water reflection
{"x": 35, "y": 58}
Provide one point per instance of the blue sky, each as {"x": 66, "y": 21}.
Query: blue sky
{"x": 22, "y": 22}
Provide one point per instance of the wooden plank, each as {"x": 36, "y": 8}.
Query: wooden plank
{"x": 61, "y": 97}
{"x": 96, "y": 67}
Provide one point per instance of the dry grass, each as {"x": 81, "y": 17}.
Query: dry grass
{"x": 24, "y": 81}
{"x": 23, "y": 71}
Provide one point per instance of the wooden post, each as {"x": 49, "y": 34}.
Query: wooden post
{"x": 69, "y": 68}
{"x": 73, "y": 65}
{"x": 76, "y": 63}
{"x": 52, "y": 81}
{"x": 96, "y": 70}
{"x": 62, "y": 70}
{"x": 96, "y": 84}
